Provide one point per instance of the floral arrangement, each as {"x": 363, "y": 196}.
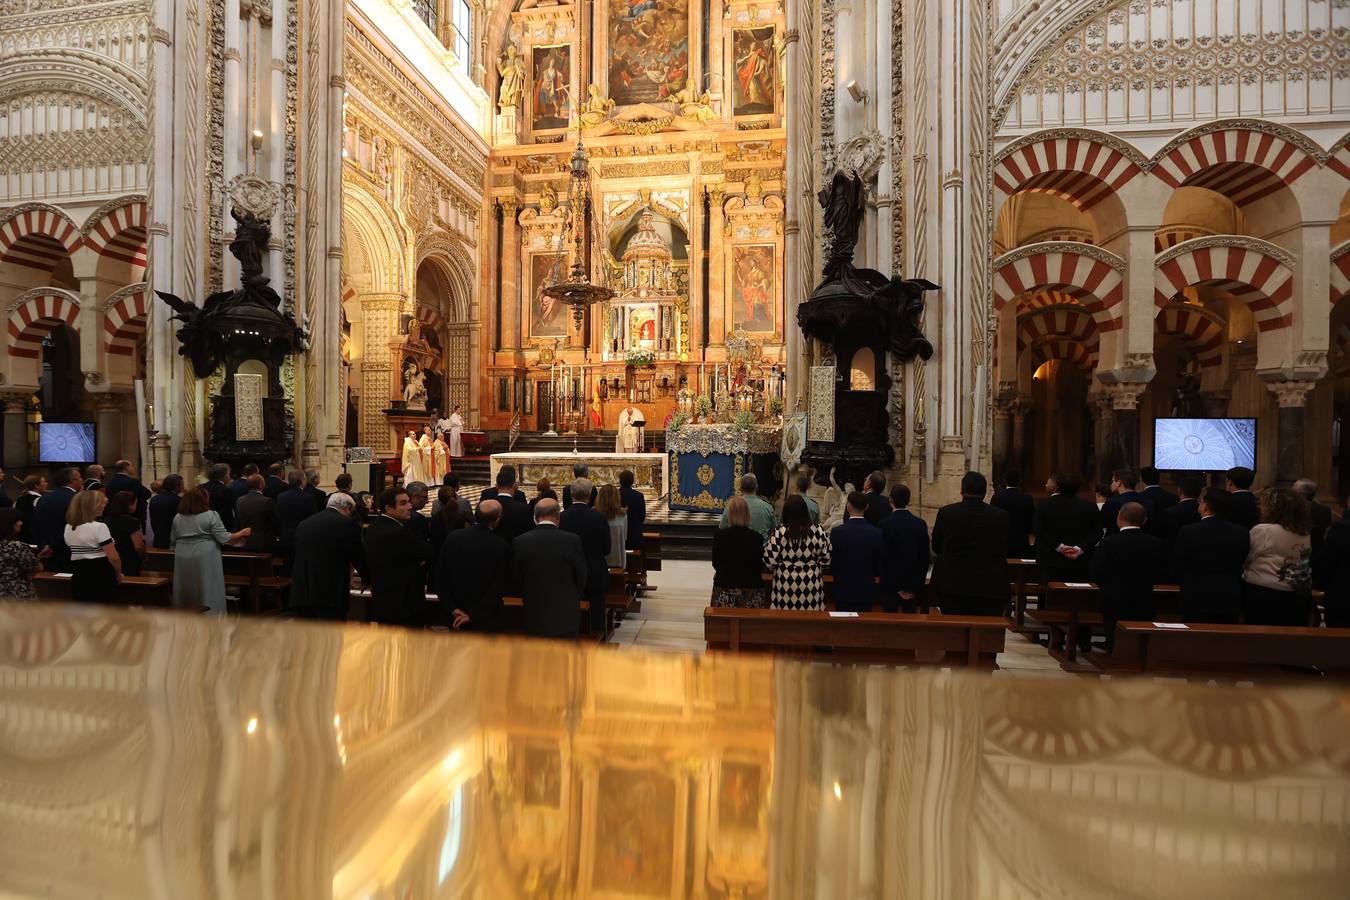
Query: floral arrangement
{"x": 677, "y": 420}
{"x": 703, "y": 405}
{"x": 641, "y": 358}
{"x": 745, "y": 420}
{"x": 775, "y": 406}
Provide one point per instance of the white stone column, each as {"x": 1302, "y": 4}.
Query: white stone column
{"x": 15, "y": 455}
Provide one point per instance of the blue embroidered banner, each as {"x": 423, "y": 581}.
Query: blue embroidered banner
{"x": 703, "y": 482}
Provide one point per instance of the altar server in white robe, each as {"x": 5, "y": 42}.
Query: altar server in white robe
{"x": 412, "y": 460}
{"x": 632, "y": 436}
{"x": 455, "y": 435}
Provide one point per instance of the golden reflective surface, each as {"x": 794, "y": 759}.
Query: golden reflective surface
{"x": 167, "y": 755}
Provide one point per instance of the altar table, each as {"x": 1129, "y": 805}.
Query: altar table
{"x": 651, "y": 470}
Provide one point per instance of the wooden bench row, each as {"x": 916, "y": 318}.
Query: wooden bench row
{"x": 135, "y": 590}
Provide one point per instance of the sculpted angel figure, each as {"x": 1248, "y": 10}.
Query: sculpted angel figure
{"x": 512, "y": 70}
{"x": 835, "y": 503}
{"x": 597, "y": 107}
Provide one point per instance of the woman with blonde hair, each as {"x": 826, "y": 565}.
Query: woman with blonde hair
{"x": 738, "y": 561}
{"x": 608, "y": 503}
{"x": 1277, "y": 579}
{"x": 95, "y": 566}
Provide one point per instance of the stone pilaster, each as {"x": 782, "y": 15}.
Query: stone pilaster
{"x": 1291, "y": 397}
{"x": 717, "y": 326}
{"x": 1124, "y": 447}
{"x": 16, "y": 430}
{"x": 513, "y": 301}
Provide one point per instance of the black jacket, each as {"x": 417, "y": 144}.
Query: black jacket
{"x": 1176, "y": 517}
{"x": 904, "y": 556}
{"x": 163, "y": 507}
{"x": 552, "y": 572}
{"x": 1071, "y": 521}
{"x": 419, "y": 526}
{"x": 1243, "y": 509}
{"x": 318, "y": 497}
{"x": 1021, "y": 510}
{"x": 878, "y": 507}
{"x": 394, "y": 562}
{"x": 49, "y": 526}
{"x": 327, "y": 546}
{"x": 25, "y": 505}
{"x": 970, "y": 539}
{"x": 855, "y": 563}
{"x": 471, "y": 576}
{"x": 1207, "y": 562}
{"x": 1126, "y": 566}
{"x": 239, "y": 487}
{"x": 738, "y": 558}
{"x": 1321, "y": 521}
{"x": 1162, "y": 500}
{"x": 123, "y": 482}
{"x": 1111, "y": 509}
{"x": 274, "y": 487}
{"x": 517, "y": 518}
{"x": 490, "y": 493}
{"x": 1331, "y": 572}
{"x": 222, "y": 501}
{"x": 589, "y": 524}
{"x": 293, "y": 508}
{"x": 259, "y": 512}
{"x": 636, "y": 504}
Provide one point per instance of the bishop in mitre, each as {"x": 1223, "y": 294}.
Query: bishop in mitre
{"x": 632, "y": 431}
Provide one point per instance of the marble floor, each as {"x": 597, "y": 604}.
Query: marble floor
{"x": 672, "y": 620}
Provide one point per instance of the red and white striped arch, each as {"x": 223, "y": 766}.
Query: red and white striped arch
{"x": 1340, "y": 272}
{"x": 430, "y": 319}
{"x": 1041, "y": 299}
{"x": 1064, "y": 349}
{"x": 120, "y": 233}
{"x": 36, "y": 313}
{"x": 1089, "y": 278}
{"x": 1059, "y": 323}
{"x": 37, "y": 236}
{"x": 1079, "y": 168}
{"x": 1201, "y": 334}
{"x": 1339, "y": 160}
{"x": 1240, "y": 162}
{"x": 1254, "y": 275}
{"x": 1169, "y": 236}
{"x": 124, "y": 319}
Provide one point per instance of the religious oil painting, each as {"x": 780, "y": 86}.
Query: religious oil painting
{"x": 537, "y": 773}
{"x": 738, "y": 799}
{"x": 753, "y": 287}
{"x": 635, "y": 833}
{"x": 754, "y": 70}
{"x": 548, "y": 317}
{"x": 551, "y": 94}
{"x": 648, "y": 50}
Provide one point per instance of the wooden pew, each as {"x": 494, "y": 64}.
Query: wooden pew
{"x": 251, "y": 575}
{"x": 1024, "y": 574}
{"x": 514, "y": 612}
{"x": 1229, "y": 651}
{"x": 867, "y": 637}
{"x": 1066, "y": 607}
{"x": 651, "y": 551}
{"x": 135, "y": 590}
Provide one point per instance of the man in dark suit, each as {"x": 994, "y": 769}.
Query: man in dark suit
{"x": 878, "y": 507}
{"x": 326, "y": 547}
{"x": 471, "y": 573}
{"x": 970, "y": 539}
{"x": 1207, "y": 562}
{"x": 419, "y": 526}
{"x": 1320, "y": 512}
{"x": 1021, "y": 510}
{"x": 395, "y": 559}
{"x": 1158, "y": 497}
{"x": 257, "y": 511}
{"x": 294, "y": 506}
{"x": 1185, "y": 511}
{"x": 855, "y": 557}
{"x": 5, "y": 501}
{"x": 49, "y": 517}
{"x": 507, "y": 475}
{"x": 1126, "y": 566}
{"x": 636, "y": 504}
{"x": 93, "y": 478}
{"x": 276, "y": 481}
{"x": 222, "y": 501}
{"x": 579, "y": 470}
{"x": 1331, "y": 572}
{"x": 553, "y": 571}
{"x": 239, "y": 487}
{"x": 313, "y": 491}
{"x": 1123, "y": 482}
{"x": 590, "y": 525}
{"x": 1242, "y": 507}
{"x": 163, "y": 507}
{"x": 904, "y": 555}
{"x": 124, "y": 479}
{"x": 1067, "y": 529}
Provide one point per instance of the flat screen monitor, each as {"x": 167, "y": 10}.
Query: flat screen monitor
{"x": 65, "y": 442}
{"x": 1204, "y": 445}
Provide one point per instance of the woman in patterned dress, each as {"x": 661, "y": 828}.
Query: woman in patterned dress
{"x": 18, "y": 562}
{"x": 799, "y": 555}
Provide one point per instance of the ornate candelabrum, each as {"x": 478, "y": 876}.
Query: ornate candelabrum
{"x": 577, "y": 291}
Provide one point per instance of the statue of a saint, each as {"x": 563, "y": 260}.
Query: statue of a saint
{"x": 512, "y": 70}
{"x": 415, "y": 391}
{"x": 597, "y": 106}
{"x": 694, "y": 105}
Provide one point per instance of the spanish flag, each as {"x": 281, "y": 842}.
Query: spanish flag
{"x": 595, "y": 403}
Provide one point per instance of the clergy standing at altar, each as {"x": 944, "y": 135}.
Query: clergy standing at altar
{"x": 456, "y": 431}
{"x": 412, "y": 459}
{"x": 632, "y": 431}
{"x": 440, "y": 460}
{"x": 424, "y": 446}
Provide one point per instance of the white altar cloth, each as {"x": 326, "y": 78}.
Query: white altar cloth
{"x": 651, "y": 470}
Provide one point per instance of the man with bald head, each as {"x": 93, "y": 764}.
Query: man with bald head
{"x": 551, "y": 570}
{"x": 471, "y": 573}
{"x": 1126, "y": 566}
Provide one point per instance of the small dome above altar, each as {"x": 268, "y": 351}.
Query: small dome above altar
{"x": 647, "y": 243}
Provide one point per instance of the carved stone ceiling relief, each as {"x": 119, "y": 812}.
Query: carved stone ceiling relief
{"x": 1177, "y": 61}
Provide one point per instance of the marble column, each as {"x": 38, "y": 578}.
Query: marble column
{"x": 1124, "y": 449}
{"x": 1103, "y": 436}
{"x": 108, "y": 428}
{"x": 717, "y": 328}
{"x": 16, "y": 430}
{"x": 1021, "y": 406}
{"x": 1003, "y": 412}
{"x": 511, "y": 281}
{"x": 1216, "y": 403}
{"x": 1292, "y": 398}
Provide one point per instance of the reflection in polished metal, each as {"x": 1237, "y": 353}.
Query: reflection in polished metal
{"x": 167, "y": 755}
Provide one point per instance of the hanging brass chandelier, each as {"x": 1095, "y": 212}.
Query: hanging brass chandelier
{"x": 577, "y": 291}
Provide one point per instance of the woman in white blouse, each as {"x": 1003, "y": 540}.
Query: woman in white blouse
{"x": 1277, "y": 580}
{"x": 95, "y": 566}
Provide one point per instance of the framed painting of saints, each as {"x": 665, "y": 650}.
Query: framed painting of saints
{"x": 548, "y": 318}
{"x": 551, "y": 88}
{"x": 753, "y": 287}
{"x": 755, "y": 70}
{"x": 648, "y": 59}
